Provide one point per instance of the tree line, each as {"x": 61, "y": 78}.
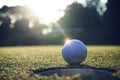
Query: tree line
{"x": 19, "y": 25}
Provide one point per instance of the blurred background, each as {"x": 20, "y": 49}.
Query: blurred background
{"x": 50, "y": 22}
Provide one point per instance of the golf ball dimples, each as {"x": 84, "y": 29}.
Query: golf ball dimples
{"x": 74, "y": 51}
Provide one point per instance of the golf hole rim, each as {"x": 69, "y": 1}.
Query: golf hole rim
{"x": 74, "y": 71}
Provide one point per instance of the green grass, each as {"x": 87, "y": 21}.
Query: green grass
{"x": 18, "y": 63}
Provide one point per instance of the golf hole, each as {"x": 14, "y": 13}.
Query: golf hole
{"x": 73, "y": 71}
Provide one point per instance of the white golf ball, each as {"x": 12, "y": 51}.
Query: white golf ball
{"x": 74, "y": 51}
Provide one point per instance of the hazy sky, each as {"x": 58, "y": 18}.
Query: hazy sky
{"x": 33, "y": 2}
{"x": 36, "y": 2}
{"x": 48, "y": 10}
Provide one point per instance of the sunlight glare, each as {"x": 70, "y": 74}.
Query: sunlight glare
{"x": 67, "y": 40}
{"x": 47, "y": 11}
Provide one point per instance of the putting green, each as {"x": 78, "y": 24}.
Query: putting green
{"x": 20, "y": 62}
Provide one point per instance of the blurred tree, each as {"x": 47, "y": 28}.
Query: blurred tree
{"x": 111, "y": 21}
{"x": 84, "y": 18}
{"x": 92, "y": 3}
{"x": 4, "y": 9}
{"x": 19, "y": 26}
{"x": 5, "y": 31}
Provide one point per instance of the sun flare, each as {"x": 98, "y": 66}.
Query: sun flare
{"x": 67, "y": 40}
{"x": 48, "y": 11}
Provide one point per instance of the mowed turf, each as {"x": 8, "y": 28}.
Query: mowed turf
{"x": 18, "y": 63}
